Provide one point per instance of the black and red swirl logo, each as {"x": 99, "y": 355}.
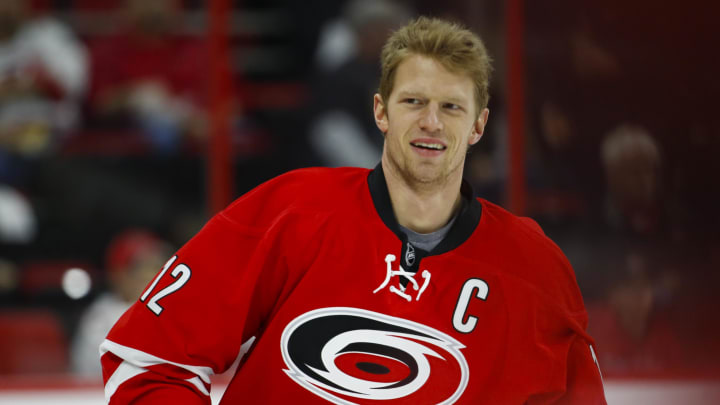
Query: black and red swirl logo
{"x": 355, "y": 356}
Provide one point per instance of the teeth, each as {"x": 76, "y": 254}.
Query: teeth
{"x": 435, "y": 146}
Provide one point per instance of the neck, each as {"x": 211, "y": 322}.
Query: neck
{"x": 423, "y": 208}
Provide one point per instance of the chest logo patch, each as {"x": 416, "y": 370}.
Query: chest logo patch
{"x": 400, "y": 289}
{"x": 354, "y": 356}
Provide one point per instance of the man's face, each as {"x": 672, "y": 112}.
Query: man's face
{"x": 429, "y": 121}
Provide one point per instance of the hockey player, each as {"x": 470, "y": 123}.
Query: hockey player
{"x": 369, "y": 286}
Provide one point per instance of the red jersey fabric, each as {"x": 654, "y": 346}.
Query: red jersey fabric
{"x": 345, "y": 311}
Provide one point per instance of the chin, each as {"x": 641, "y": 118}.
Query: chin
{"x": 427, "y": 175}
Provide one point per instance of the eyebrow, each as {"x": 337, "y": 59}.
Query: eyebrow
{"x": 456, "y": 100}
{"x": 405, "y": 94}
{"x": 452, "y": 99}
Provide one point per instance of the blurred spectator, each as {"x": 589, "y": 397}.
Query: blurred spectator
{"x": 150, "y": 77}
{"x": 133, "y": 258}
{"x": 632, "y": 161}
{"x": 343, "y": 132}
{"x": 633, "y": 253}
{"x": 631, "y": 215}
{"x": 43, "y": 74}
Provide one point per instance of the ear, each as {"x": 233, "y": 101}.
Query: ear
{"x": 479, "y": 127}
{"x": 380, "y": 113}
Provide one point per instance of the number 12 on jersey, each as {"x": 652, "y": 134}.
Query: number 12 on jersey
{"x": 180, "y": 270}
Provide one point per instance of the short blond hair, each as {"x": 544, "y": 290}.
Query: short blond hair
{"x": 455, "y": 47}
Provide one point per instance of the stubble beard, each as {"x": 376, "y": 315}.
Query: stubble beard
{"x": 422, "y": 175}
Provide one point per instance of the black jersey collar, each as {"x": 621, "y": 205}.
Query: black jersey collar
{"x": 468, "y": 218}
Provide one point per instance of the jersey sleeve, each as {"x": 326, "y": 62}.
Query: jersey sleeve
{"x": 208, "y": 299}
{"x": 188, "y": 323}
{"x": 577, "y": 379}
{"x": 581, "y": 382}
{"x": 584, "y": 379}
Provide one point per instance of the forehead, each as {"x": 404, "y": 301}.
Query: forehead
{"x": 423, "y": 75}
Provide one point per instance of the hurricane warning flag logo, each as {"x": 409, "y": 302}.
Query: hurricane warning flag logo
{"x": 355, "y": 356}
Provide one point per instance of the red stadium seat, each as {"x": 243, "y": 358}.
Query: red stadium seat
{"x": 32, "y": 341}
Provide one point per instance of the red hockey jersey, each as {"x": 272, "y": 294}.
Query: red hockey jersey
{"x": 345, "y": 310}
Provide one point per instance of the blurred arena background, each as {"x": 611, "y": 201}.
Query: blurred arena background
{"x": 125, "y": 124}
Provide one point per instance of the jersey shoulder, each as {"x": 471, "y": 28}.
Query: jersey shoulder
{"x": 538, "y": 259}
{"x": 317, "y": 189}
{"x": 512, "y": 224}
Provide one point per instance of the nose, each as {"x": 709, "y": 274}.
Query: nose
{"x": 430, "y": 119}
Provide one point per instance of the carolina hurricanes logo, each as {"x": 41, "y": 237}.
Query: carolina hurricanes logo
{"x": 354, "y": 356}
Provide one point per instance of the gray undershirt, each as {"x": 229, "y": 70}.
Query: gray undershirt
{"x": 428, "y": 241}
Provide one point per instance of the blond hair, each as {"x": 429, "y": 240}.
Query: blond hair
{"x": 456, "y": 48}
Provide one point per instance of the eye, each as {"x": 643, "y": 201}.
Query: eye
{"x": 451, "y": 106}
{"x": 413, "y": 101}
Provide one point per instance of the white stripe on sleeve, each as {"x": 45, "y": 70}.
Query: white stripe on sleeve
{"x": 136, "y": 362}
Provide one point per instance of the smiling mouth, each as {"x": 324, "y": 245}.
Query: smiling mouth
{"x": 428, "y": 146}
